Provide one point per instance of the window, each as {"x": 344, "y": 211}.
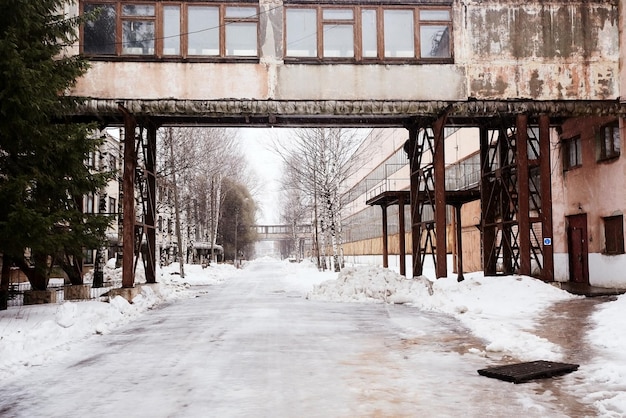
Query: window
{"x": 366, "y": 33}
{"x": 138, "y": 29}
{"x": 572, "y": 153}
{"x": 435, "y": 34}
{"x": 89, "y": 204}
{"x": 91, "y": 160}
{"x": 338, "y": 32}
{"x": 399, "y": 38}
{"x": 240, "y": 26}
{"x": 99, "y": 30}
{"x": 88, "y": 256}
{"x": 170, "y": 30}
{"x": 614, "y": 234}
{"x": 102, "y": 203}
{"x": 112, "y": 205}
{"x": 609, "y": 141}
{"x": 301, "y": 36}
{"x": 112, "y": 162}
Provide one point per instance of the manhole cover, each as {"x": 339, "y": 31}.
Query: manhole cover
{"x": 522, "y": 372}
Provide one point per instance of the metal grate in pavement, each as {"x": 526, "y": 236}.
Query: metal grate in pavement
{"x": 523, "y": 372}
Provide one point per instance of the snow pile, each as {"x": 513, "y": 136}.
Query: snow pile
{"x": 196, "y": 275}
{"x": 608, "y": 339}
{"x": 500, "y": 310}
{"x": 31, "y": 335}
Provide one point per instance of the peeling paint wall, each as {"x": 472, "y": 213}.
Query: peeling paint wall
{"x": 544, "y": 50}
{"x": 596, "y": 189}
{"x": 539, "y": 50}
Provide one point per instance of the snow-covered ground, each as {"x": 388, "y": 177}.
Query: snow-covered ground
{"x": 503, "y": 312}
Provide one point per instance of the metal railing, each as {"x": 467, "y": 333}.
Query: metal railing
{"x": 16, "y": 292}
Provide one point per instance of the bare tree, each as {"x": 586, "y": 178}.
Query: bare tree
{"x": 318, "y": 162}
{"x": 193, "y": 163}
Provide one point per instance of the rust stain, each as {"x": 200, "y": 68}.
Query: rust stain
{"x": 535, "y": 84}
{"x": 541, "y": 30}
{"x": 485, "y": 86}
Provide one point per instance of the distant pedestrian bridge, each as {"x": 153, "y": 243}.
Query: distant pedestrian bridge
{"x": 282, "y": 232}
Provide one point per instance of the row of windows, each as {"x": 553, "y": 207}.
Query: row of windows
{"x": 313, "y": 32}
{"x": 607, "y": 142}
{"x": 103, "y": 204}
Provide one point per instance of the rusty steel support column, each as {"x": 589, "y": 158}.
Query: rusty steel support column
{"x": 487, "y": 206}
{"x": 547, "y": 273}
{"x": 150, "y": 220}
{"x": 459, "y": 242}
{"x": 416, "y": 231}
{"x": 441, "y": 269}
{"x": 128, "y": 202}
{"x": 523, "y": 183}
{"x": 385, "y": 238}
{"x": 402, "y": 235}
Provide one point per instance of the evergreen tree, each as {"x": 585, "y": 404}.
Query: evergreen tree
{"x": 43, "y": 176}
{"x": 238, "y": 214}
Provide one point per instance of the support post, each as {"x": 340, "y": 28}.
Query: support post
{"x": 487, "y": 206}
{"x": 440, "y": 198}
{"x": 402, "y": 235}
{"x": 523, "y": 199}
{"x": 128, "y": 203}
{"x": 385, "y": 238}
{"x": 150, "y": 220}
{"x": 416, "y": 232}
{"x": 459, "y": 244}
{"x": 547, "y": 273}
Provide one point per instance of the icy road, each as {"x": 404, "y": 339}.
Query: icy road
{"x": 254, "y": 346}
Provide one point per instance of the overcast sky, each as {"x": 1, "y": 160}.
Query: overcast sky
{"x": 256, "y": 143}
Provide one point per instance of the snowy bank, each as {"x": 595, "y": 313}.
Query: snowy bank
{"x": 500, "y": 310}
{"x": 31, "y": 335}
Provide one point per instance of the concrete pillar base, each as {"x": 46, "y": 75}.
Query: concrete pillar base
{"x": 77, "y": 292}
{"x": 38, "y": 297}
{"x": 129, "y": 293}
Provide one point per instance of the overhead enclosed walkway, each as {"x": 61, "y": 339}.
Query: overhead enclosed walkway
{"x": 468, "y": 64}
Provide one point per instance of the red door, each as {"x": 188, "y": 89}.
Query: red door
{"x": 577, "y": 248}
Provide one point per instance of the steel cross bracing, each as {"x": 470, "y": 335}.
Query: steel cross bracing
{"x": 422, "y": 213}
{"x": 145, "y": 200}
{"x": 513, "y": 221}
{"x": 138, "y": 194}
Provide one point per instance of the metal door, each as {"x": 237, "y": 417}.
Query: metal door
{"x": 578, "y": 248}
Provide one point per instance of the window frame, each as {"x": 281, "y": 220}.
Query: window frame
{"x": 613, "y": 234}
{"x": 568, "y": 164}
{"x": 358, "y": 35}
{"x": 159, "y": 17}
{"x": 605, "y": 154}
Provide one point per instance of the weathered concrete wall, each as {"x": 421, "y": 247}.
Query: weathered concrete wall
{"x": 539, "y": 50}
{"x": 596, "y": 189}
{"x": 544, "y": 50}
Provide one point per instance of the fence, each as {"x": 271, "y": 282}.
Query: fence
{"x": 16, "y": 292}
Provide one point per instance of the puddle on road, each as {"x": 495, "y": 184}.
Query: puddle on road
{"x": 566, "y": 324}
